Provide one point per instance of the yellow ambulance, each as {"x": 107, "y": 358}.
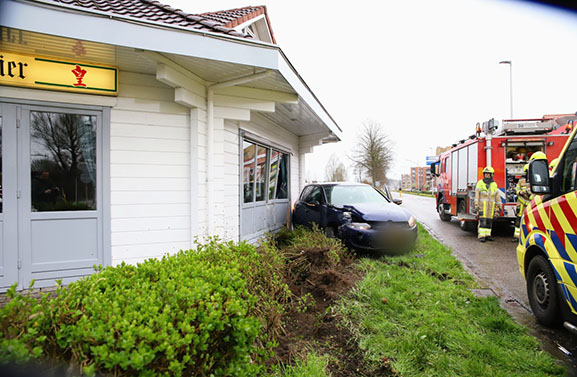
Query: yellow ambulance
{"x": 547, "y": 249}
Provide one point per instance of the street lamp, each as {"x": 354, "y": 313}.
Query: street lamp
{"x": 510, "y": 63}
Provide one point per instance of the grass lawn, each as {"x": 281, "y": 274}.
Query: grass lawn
{"x": 428, "y": 195}
{"x": 416, "y": 313}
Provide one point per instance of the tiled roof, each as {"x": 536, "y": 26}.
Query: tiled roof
{"x": 234, "y": 17}
{"x": 220, "y": 22}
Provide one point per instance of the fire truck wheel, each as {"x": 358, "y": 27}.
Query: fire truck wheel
{"x": 542, "y": 291}
{"x": 441, "y": 211}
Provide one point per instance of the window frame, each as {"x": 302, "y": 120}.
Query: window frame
{"x": 269, "y": 147}
{"x": 565, "y": 169}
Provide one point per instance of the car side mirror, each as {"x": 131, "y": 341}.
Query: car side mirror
{"x": 434, "y": 169}
{"x": 538, "y": 175}
{"x": 398, "y": 201}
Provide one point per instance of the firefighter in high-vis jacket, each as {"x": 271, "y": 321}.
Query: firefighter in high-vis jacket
{"x": 523, "y": 199}
{"x": 487, "y": 200}
{"x": 552, "y": 165}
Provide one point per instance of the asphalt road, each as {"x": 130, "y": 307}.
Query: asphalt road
{"x": 494, "y": 264}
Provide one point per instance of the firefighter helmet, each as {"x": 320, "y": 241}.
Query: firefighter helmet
{"x": 488, "y": 169}
{"x": 538, "y": 156}
{"x": 553, "y": 163}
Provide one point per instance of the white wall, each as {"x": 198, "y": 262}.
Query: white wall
{"x": 150, "y": 171}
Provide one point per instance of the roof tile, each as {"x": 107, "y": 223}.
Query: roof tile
{"x": 150, "y": 10}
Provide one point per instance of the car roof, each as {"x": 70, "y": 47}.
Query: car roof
{"x": 331, "y": 184}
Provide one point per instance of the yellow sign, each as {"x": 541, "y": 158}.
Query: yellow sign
{"x": 51, "y": 74}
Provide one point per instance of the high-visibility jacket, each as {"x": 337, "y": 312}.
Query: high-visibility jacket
{"x": 486, "y": 199}
{"x": 523, "y": 195}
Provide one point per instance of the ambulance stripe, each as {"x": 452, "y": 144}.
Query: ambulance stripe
{"x": 572, "y": 240}
{"x": 527, "y": 217}
{"x": 559, "y": 278}
{"x": 544, "y": 215}
{"x": 539, "y": 241}
{"x": 525, "y": 231}
{"x": 558, "y": 230}
{"x": 567, "y": 211}
{"x": 557, "y": 212}
{"x": 572, "y": 200}
{"x": 569, "y": 298}
{"x": 572, "y": 300}
{"x": 570, "y": 268}
{"x": 538, "y": 220}
{"x": 559, "y": 245}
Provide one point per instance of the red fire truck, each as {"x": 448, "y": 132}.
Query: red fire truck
{"x": 507, "y": 148}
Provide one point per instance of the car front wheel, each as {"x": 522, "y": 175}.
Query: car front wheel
{"x": 542, "y": 291}
{"x": 330, "y": 232}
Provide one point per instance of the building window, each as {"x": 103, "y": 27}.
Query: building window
{"x": 248, "y": 171}
{"x": 283, "y": 177}
{"x": 260, "y": 178}
{"x": 265, "y": 170}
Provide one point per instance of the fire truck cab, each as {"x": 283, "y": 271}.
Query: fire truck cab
{"x": 506, "y": 147}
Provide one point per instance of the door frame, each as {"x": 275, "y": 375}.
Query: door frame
{"x": 18, "y": 221}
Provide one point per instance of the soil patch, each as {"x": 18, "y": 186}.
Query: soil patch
{"x": 312, "y": 325}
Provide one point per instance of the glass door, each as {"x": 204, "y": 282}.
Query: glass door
{"x": 60, "y": 214}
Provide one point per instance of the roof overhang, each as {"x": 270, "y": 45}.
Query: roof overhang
{"x": 69, "y": 22}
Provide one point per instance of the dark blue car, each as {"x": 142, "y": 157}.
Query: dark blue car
{"x": 364, "y": 218}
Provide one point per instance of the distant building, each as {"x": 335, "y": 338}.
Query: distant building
{"x": 406, "y": 181}
{"x": 420, "y": 178}
{"x": 440, "y": 150}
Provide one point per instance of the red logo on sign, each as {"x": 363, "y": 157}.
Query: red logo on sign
{"x": 79, "y": 73}
{"x": 79, "y": 49}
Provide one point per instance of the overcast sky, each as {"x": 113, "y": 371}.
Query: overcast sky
{"x": 428, "y": 71}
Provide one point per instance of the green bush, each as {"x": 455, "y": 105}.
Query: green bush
{"x": 22, "y": 326}
{"x": 187, "y": 314}
{"x": 263, "y": 268}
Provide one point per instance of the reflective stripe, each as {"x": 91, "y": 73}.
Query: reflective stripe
{"x": 483, "y": 232}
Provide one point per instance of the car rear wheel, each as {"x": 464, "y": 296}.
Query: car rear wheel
{"x": 542, "y": 291}
{"x": 441, "y": 210}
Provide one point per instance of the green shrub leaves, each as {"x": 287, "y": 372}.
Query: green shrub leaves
{"x": 187, "y": 314}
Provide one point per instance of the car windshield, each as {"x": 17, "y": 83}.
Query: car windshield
{"x": 350, "y": 195}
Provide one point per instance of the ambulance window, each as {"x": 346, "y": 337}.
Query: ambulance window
{"x": 570, "y": 168}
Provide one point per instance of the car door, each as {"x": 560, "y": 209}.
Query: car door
{"x": 309, "y": 208}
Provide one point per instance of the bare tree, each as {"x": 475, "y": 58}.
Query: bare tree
{"x": 335, "y": 170}
{"x": 373, "y": 153}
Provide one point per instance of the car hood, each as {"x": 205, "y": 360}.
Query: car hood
{"x": 381, "y": 212}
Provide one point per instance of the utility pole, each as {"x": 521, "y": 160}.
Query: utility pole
{"x": 510, "y": 63}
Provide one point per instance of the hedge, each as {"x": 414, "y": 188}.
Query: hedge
{"x": 192, "y": 313}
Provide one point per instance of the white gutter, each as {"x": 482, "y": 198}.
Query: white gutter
{"x": 112, "y": 16}
{"x": 210, "y": 138}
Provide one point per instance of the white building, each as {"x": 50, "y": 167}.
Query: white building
{"x": 130, "y": 128}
